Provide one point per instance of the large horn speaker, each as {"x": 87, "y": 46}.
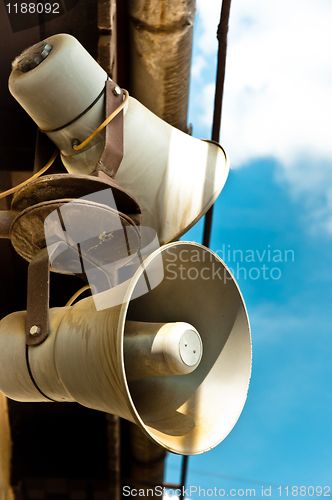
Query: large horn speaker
{"x": 176, "y": 360}
{"x": 174, "y": 177}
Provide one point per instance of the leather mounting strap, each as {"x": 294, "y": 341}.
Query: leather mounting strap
{"x": 38, "y": 296}
{"x": 112, "y": 154}
{"x": 111, "y": 157}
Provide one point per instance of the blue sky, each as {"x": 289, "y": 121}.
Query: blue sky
{"x": 278, "y": 197}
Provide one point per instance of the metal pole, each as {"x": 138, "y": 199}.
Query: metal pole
{"x": 114, "y": 451}
{"x": 221, "y": 66}
{"x": 184, "y": 475}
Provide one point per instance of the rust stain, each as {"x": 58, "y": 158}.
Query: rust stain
{"x": 162, "y": 13}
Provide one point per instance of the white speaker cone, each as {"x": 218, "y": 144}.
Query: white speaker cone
{"x": 85, "y": 358}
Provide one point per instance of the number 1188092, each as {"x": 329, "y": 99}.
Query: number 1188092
{"x": 311, "y": 491}
{"x": 32, "y": 8}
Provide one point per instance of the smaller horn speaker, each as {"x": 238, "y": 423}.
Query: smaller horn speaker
{"x": 175, "y": 178}
{"x": 176, "y": 360}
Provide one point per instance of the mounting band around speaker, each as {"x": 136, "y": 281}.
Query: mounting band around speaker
{"x": 45, "y": 131}
{"x": 31, "y": 376}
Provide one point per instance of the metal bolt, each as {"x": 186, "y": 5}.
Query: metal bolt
{"x": 33, "y": 56}
{"x": 35, "y": 330}
{"x": 116, "y": 91}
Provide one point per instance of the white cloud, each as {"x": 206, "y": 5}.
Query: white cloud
{"x": 207, "y": 100}
{"x": 209, "y": 12}
{"x": 278, "y": 97}
{"x": 199, "y": 63}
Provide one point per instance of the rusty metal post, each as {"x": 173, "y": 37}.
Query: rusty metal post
{"x": 147, "y": 462}
{"x": 221, "y": 67}
{"x": 114, "y": 446}
{"x": 107, "y": 43}
{"x": 184, "y": 475}
{"x": 6, "y": 219}
{"x": 160, "y": 35}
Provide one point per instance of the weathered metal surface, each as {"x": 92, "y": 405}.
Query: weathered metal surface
{"x": 82, "y": 24}
{"x": 27, "y": 232}
{"x": 112, "y": 154}
{"x": 57, "y": 104}
{"x": 42, "y": 434}
{"x": 160, "y": 56}
{"x": 17, "y": 133}
{"x": 147, "y": 463}
{"x": 107, "y": 43}
{"x": 90, "y": 219}
{"x": 175, "y": 178}
{"x": 6, "y": 219}
{"x": 59, "y": 186}
{"x": 38, "y": 298}
{"x": 85, "y": 359}
{"x": 33, "y": 56}
{"x": 38, "y": 199}
{"x": 114, "y": 455}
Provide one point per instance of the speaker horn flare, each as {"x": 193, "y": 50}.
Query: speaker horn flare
{"x": 175, "y": 178}
{"x": 88, "y": 358}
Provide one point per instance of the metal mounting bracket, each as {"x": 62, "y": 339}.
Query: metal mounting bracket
{"x": 38, "y": 295}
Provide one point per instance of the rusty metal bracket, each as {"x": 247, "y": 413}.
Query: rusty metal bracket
{"x": 112, "y": 154}
{"x": 7, "y": 218}
{"x": 38, "y": 298}
{"x": 38, "y": 295}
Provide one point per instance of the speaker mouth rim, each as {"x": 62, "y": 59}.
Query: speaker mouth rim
{"x": 211, "y": 202}
{"x": 121, "y": 360}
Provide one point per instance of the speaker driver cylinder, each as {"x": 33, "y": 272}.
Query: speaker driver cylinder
{"x": 156, "y": 349}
